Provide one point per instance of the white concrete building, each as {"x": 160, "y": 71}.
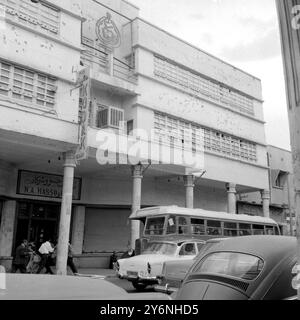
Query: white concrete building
{"x": 282, "y": 194}
{"x": 140, "y": 75}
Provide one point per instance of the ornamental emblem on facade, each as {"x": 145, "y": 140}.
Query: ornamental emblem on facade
{"x": 107, "y": 31}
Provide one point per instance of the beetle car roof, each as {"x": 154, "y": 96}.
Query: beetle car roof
{"x": 164, "y": 210}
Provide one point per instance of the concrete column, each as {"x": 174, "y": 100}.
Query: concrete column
{"x": 65, "y": 214}
{"x": 265, "y": 196}
{"x": 78, "y": 229}
{"x": 137, "y": 176}
{"x": 231, "y": 198}
{"x": 291, "y": 202}
{"x": 7, "y": 228}
{"x": 189, "y": 183}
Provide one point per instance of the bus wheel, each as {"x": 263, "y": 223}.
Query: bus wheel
{"x": 139, "y": 286}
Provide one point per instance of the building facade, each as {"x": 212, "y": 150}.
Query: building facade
{"x": 141, "y": 82}
{"x": 282, "y": 194}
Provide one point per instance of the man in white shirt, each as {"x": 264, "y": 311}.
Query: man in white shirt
{"x": 45, "y": 251}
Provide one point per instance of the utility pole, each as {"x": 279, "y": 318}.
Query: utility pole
{"x": 289, "y": 22}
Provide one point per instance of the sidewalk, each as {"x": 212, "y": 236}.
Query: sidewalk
{"x": 105, "y": 273}
{"x": 108, "y": 273}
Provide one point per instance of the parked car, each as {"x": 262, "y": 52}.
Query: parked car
{"x": 251, "y": 267}
{"x": 53, "y": 287}
{"x": 173, "y": 272}
{"x": 142, "y": 270}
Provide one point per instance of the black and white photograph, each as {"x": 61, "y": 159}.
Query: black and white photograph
{"x": 149, "y": 154}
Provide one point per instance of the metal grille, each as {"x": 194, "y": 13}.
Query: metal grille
{"x": 27, "y": 85}
{"x": 198, "y": 85}
{"x": 38, "y": 15}
{"x": 174, "y": 131}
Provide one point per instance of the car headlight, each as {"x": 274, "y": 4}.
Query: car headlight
{"x": 149, "y": 267}
{"x": 143, "y": 274}
{"x": 117, "y": 266}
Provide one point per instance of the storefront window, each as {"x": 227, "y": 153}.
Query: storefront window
{"x": 36, "y": 222}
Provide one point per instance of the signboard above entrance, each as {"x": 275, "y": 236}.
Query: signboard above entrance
{"x": 40, "y": 184}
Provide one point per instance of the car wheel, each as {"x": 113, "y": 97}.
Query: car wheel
{"x": 139, "y": 286}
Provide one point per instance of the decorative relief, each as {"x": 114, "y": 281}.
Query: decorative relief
{"x": 107, "y": 32}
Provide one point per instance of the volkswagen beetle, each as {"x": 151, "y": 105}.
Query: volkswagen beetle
{"x": 243, "y": 268}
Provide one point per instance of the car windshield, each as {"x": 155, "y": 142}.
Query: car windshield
{"x": 160, "y": 248}
{"x": 233, "y": 264}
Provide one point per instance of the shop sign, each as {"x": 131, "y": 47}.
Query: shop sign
{"x": 44, "y": 185}
{"x": 83, "y": 78}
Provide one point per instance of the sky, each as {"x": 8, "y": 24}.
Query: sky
{"x": 241, "y": 32}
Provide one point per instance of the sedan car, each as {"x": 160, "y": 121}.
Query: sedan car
{"x": 142, "y": 270}
{"x": 175, "y": 271}
{"x": 243, "y": 268}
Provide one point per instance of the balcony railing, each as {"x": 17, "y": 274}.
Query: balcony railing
{"x": 95, "y": 57}
{"x": 104, "y": 62}
{"x": 123, "y": 71}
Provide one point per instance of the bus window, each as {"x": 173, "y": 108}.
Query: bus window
{"x": 244, "y": 229}
{"x": 230, "y": 229}
{"x": 269, "y": 230}
{"x": 197, "y": 226}
{"x": 155, "y": 226}
{"x": 183, "y": 225}
{"x": 258, "y": 229}
{"x": 214, "y": 228}
{"x": 171, "y": 226}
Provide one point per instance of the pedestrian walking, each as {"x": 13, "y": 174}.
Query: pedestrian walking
{"x": 70, "y": 261}
{"x": 21, "y": 258}
{"x": 45, "y": 251}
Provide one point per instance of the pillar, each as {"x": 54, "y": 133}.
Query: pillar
{"x": 231, "y": 198}
{"x": 265, "y": 196}
{"x": 7, "y": 232}
{"x": 65, "y": 214}
{"x": 137, "y": 176}
{"x": 288, "y": 14}
{"x": 291, "y": 202}
{"x": 189, "y": 183}
{"x": 78, "y": 229}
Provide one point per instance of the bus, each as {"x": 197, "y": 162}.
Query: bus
{"x": 173, "y": 223}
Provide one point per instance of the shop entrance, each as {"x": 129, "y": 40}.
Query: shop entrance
{"x": 37, "y": 222}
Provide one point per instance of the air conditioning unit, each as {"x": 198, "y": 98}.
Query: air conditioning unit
{"x": 110, "y": 117}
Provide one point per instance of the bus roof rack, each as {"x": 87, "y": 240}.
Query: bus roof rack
{"x": 165, "y": 210}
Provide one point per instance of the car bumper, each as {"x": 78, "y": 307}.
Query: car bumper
{"x": 134, "y": 278}
{"x": 165, "y": 289}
